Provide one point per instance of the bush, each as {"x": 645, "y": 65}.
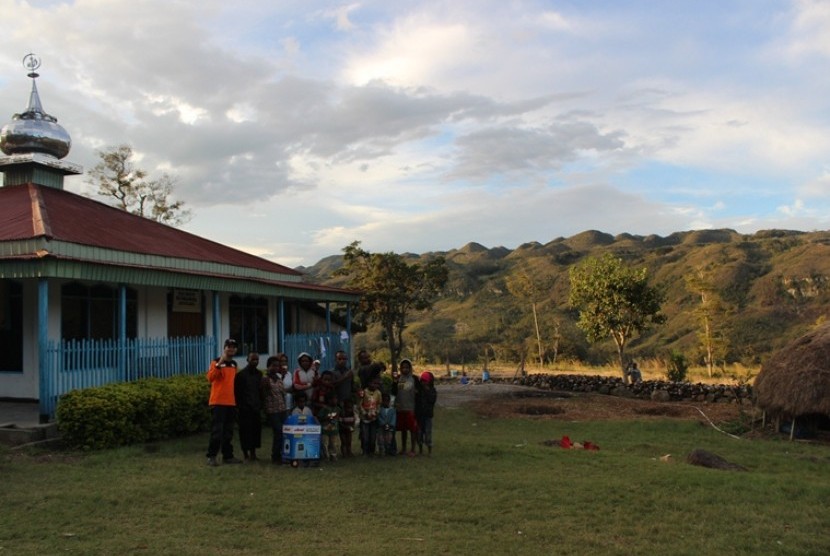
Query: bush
{"x": 131, "y": 412}
{"x": 677, "y": 367}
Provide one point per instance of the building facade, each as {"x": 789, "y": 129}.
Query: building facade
{"x": 91, "y": 294}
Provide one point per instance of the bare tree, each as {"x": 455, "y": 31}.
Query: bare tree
{"x": 533, "y": 292}
{"x": 118, "y": 179}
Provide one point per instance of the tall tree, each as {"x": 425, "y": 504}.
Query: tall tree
{"x": 614, "y": 300}
{"x": 129, "y": 189}
{"x": 531, "y": 291}
{"x": 710, "y": 312}
{"x": 391, "y": 288}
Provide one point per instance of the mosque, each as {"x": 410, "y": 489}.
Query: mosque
{"x": 91, "y": 294}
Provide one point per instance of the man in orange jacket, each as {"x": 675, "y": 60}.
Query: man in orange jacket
{"x": 221, "y": 375}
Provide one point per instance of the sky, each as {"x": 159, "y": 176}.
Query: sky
{"x": 293, "y": 128}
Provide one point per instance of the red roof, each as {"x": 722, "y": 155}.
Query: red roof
{"x": 32, "y": 211}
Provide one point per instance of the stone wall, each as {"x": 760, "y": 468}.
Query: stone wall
{"x": 657, "y": 390}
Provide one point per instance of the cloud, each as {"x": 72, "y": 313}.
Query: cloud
{"x": 508, "y": 150}
{"x": 424, "y": 125}
{"x": 810, "y": 28}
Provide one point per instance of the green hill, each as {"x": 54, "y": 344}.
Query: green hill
{"x": 775, "y": 283}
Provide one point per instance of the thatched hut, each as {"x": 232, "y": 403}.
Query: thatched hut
{"x": 794, "y": 384}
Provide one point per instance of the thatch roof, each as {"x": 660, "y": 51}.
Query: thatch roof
{"x": 795, "y": 381}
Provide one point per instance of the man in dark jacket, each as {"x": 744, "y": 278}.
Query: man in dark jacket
{"x": 248, "y": 393}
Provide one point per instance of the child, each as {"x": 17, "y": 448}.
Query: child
{"x": 424, "y": 410}
{"x": 301, "y": 408}
{"x": 322, "y": 387}
{"x": 329, "y": 417}
{"x": 386, "y": 427}
{"x": 368, "y": 413}
{"x": 303, "y": 377}
{"x": 348, "y": 422}
{"x": 406, "y": 390}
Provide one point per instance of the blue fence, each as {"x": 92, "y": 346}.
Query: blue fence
{"x": 319, "y": 346}
{"x": 73, "y": 364}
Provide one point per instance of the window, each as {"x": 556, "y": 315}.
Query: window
{"x": 91, "y": 312}
{"x": 249, "y": 323}
{"x": 11, "y": 326}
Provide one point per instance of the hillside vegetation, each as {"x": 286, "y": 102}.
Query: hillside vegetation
{"x": 773, "y": 285}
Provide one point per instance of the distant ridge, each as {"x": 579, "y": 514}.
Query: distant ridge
{"x": 776, "y": 284}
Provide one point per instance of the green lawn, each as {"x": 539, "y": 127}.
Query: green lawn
{"x": 491, "y": 487}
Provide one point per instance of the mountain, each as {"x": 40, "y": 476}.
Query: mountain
{"x": 775, "y": 284}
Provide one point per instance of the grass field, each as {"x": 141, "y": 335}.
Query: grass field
{"x": 491, "y": 487}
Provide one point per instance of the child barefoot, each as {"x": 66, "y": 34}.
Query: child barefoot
{"x": 329, "y": 417}
{"x": 386, "y": 427}
{"x": 368, "y": 412}
{"x": 424, "y": 410}
{"x": 406, "y": 390}
{"x": 347, "y": 426}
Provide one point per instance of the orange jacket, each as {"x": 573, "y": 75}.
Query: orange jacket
{"x": 221, "y": 377}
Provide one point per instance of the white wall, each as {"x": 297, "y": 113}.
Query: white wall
{"x": 152, "y": 312}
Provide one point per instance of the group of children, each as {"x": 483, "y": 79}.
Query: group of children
{"x": 372, "y": 413}
{"x": 342, "y": 407}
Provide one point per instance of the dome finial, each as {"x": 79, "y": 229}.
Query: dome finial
{"x": 31, "y": 62}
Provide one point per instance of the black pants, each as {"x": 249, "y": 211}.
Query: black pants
{"x": 221, "y": 430}
{"x": 250, "y": 429}
{"x": 370, "y": 435}
{"x": 276, "y": 420}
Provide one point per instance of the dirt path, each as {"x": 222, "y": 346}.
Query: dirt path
{"x": 455, "y": 395}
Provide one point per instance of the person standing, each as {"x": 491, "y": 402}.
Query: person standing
{"x": 366, "y": 369}
{"x": 248, "y": 392}
{"x": 348, "y": 421}
{"x": 343, "y": 377}
{"x": 303, "y": 378}
{"x": 368, "y": 412}
{"x": 387, "y": 419}
{"x": 329, "y": 417}
{"x": 222, "y": 402}
{"x": 287, "y": 382}
{"x": 425, "y": 410}
{"x": 273, "y": 390}
{"x": 406, "y": 389}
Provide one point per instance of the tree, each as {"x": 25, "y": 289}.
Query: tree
{"x": 711, "y": 314}
{"x": 117, "y": 178}
{"x": 614, "y": 300}
{"x": 391, "y": 288}
{"x": 528, "y": 290}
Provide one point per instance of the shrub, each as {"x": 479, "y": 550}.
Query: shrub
{"x": 131, "y": 412}
{"x": 677, "y": 366}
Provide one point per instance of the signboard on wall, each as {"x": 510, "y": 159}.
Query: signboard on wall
{"x": 187, "y": 301}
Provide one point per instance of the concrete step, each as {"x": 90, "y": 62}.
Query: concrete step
{"x": 15, "y": 435}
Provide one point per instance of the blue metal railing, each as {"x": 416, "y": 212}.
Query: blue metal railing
{"x": 73, "y": 364}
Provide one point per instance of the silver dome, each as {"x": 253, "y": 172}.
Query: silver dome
{"x": 34, "y": 131}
